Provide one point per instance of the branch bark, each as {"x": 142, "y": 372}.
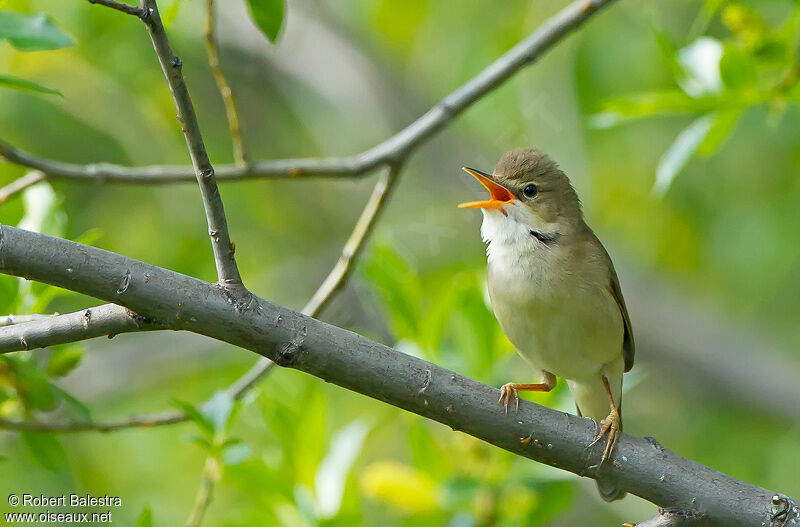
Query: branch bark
{"x": 20, "y": 184}
{"x": 396, "y": 148}
{"x": 291, "y": 339}
{"x": 105, "y": 320}
{"x": 171, "y": 65}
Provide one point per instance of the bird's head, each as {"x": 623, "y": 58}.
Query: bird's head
{"x": 528, "y": 188}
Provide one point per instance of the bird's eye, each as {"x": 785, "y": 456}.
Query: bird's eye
{"x": 530, "y": 190}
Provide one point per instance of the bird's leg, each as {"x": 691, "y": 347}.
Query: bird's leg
{"x": 611, "y": 425}
{"x": 511, "y": 390}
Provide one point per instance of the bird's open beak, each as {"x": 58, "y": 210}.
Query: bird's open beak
{"x": 499, "y": 194}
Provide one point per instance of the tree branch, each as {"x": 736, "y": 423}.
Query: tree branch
{"x": 139, "y": 12}
{"x": 396, "y": 148}
{"x": 108, "y": 319}
{"x": 10, "y": 320}
{"x": 291, "y": 339}
{"x": 224, "y": 88}
{"x": 171, "y": 65}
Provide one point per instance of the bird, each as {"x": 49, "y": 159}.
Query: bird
{"x": 554, "y": 291}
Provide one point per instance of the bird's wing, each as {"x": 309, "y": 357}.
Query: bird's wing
{"x": 628, "y": 345}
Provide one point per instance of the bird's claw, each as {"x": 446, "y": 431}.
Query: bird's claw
{"x": 610, "y": 426}
{"x": 507, "y": 391}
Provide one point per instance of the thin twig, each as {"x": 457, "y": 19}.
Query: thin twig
{"x": 211, "y": 475}
{"x": 121, "y": 6}
{"x": 396, "y": 148}
{"x": 20, "y": 184}
{"x": 171, "y": 65}
{"x": 224, "y": 88}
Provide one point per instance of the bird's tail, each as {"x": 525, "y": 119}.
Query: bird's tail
{"x": 608, "y": 490}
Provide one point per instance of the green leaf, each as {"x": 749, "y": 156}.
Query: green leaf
{"x": 218, "y": 410}
{"x": 737, "y": 68}
{"x": 64, "y": 359}
{"x": 201, "y": 440}
{"x": 32, "y": 384}
{"x": 679, "y": 153}
{"x": 400, "y": 288}
{"x": 197, "y": 417}
{"x": 721, "y": 128}
{"x": 45, "y": 450}
{"x": 170, "y": 13}
{"x": 145, "y": 518}
{"x": 7, "y": 81}
{"x": 31, "y": 32}
{"x": 80, "y": 409}
{"x": 236, "y": 453}
{"x": 268, "y": 16}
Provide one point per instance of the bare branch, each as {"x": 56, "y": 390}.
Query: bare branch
{"x": 223, "y": 86}
{"x": 10, "y": 320}
{"x": 121, "y": 6}
{"x": 18, "y": 185}
{"x": 396, "y": 148}
{"x": 171, "y": 65}
{"x": 108, "y": 319}
{"x": 291, "y": 339}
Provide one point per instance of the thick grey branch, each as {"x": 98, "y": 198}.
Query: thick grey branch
{"x": 291, "y": 339}
{"x": 108, "y": 319}
{"x": 394, "y": 149}
{"x": 171, "y": 65}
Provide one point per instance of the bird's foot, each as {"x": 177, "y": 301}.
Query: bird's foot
{"x": 611, "y": 426}
{"x": 508, "y": 392}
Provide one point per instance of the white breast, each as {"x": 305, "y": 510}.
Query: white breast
{"x": 556, "y": 311}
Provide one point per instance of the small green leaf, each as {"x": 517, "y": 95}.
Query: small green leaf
{"x": 218, "y": 410}
{"x": 32, "y": 384}
{"x": 737, "y": 68}
{"x": 236, "y": 453}
{"x": 31, "y": 32}
{"x": 145, "y": 518}
{"x": 170, "y": 13}
{"x": 45, "y": 449}
{"x": 81, "y": 410}
{"x": 7, "y": 81}
{"x": 721, "y": 128}
{"x": 268, "y": 16}
{"x": 679, "y": 153}
{"x": 64, "y": 359}
{"x": 197, "y": 417}
{"x": 200, "y": 440}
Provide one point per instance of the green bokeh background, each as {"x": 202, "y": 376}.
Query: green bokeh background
{"x": 711, "y": 267}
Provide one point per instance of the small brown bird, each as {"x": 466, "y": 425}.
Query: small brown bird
{"x": 554, "y": 290}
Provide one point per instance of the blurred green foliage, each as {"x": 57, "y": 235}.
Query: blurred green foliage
{"x": 645, "y": 92}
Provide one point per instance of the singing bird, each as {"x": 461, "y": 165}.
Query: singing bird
{"x": 554, "y": 290}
